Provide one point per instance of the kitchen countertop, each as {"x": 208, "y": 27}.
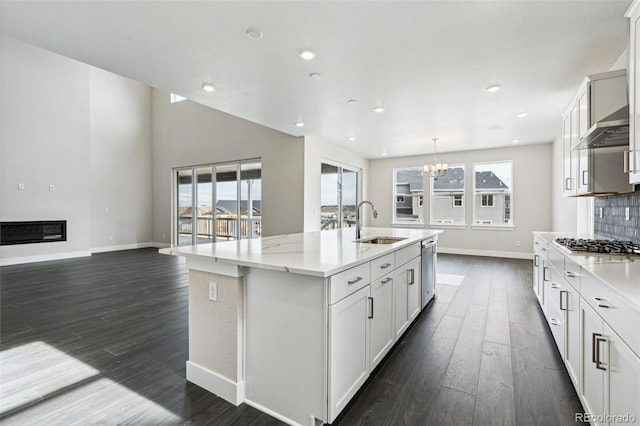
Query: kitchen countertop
{"x": 321, "y": 253}
{"x": 620, "y": 272}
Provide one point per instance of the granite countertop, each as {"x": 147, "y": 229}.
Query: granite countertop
{"x": 620, "y": 272}
{"x": 321, "y": 253}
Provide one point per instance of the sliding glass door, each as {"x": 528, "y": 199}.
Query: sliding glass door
{"x": 338, "y": 196}
{"x": 218, "y": 202}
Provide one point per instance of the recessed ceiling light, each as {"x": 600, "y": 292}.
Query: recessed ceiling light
{"x": 208, "y": 87}
{"x": 378, "y": 109}
{"x": 515, "y": 140}
{"x": 352, "y": 101}
{"x": 307, "y": 54}
{"x": 493, "y": 88}
{"x": 299, "y": 124}
{"x": 522, "y": 114}
{"x": 351, "y": 138}
{"x": 254, "y": 33}
{"x": 315, "y": 76}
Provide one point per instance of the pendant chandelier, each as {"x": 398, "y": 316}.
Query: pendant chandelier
{"x": 436, "y": 169}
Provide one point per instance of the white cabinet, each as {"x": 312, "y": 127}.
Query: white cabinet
{"x": 381, "y": 319}
{"x": 400, "y": 292}
{"x": 634, "y": 91}
{"x": 348, "y": 348}
{"x": 572, "y": 333}
{"x": 414, "y": 286}
{"x": 539, "y": 248}
{"x": 569, "y": 157}
{"x": 611, "y": 372}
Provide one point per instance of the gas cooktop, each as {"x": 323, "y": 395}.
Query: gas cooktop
{"x": 599, "y": 246}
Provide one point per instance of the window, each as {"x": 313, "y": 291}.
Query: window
{"x": 486, "y": 200}
{"x": 237, "y": 190}
{"x": 447, "y": 197}
{"x": 338, "y": 196}
{"x": 408, "y": 192}
{"x": 493, "y": 194}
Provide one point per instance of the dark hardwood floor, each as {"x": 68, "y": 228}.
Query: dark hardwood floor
{"x": 103, "y": 340}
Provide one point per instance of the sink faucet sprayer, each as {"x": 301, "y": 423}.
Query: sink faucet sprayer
{"x": 375, "y": 215}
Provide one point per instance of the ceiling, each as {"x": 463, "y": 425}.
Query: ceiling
{"x": 428, "y": 63}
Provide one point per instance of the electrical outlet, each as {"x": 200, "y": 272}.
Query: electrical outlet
{"x": 627, "y": 214}
{"x": 21, "y": 186}
{"x": 213, "y": 291}
{"x": 518, "y": 243}
{"x": 110, "y": 237}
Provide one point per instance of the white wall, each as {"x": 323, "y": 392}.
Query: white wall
{"x": 531, "y": 198}
{"x": 186, "y": 133}
{"x": 45, "y": 141}
{"x": 85, "y": 131}
{"x": 317, "y": 151}
{"x": 120, "y": 161}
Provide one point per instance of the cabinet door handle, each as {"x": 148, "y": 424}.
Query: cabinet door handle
{"x": 385, "y": 265}
{"x": 554, "y": 285}
{"x": 567, "y": 184}
{"x": 584, "y": 174}
{"x": 625, "y": 162}
{"x": 544, "y": 273}
{"x": 600, "y": 302}
{"x": 370, "y": 307}
{"x": 386, "y": 280}
{"x": 570, "y": 274}
{"x": 599, "y": 339}
{"x": 355, "y": 280}
{"x": 594, "y": 347}
{"x": 411, "y": 274}
{"x": 567, "y": 298}
{"x": 554, "y": 321}
{"x": 535, "y": 259}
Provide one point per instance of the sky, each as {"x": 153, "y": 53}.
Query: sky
{"x": 226, "y": 191}
{"x": 329, "y": 189}
{"x": 502, "y": 170}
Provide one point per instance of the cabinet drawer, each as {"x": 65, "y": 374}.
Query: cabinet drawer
{"x": 572, "y": 273}
{"x": 556, "y": 258}
{"x": 346, "y": 282}
{"x": 554, "y": 292}
{"x": 614, "y": 311}
{"x": 382, "y": 265}
{"x": 540, "y": 246}
{"x": 556, "y": 320}
{"x": 407, "y": 254}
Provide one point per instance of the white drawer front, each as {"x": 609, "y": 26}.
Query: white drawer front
{"x": 621, "y": 318}
{"x": 407, "y": 254}
{"x": 382, "y": 265}
{"x": 346, "y": 282}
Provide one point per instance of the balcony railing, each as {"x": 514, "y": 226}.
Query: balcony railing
{"x": 225, "y": 227}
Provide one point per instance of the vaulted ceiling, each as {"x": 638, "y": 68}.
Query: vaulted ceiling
{"x": 427, "y": 63}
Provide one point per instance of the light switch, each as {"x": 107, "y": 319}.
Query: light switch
{"x": 213, "y": 291}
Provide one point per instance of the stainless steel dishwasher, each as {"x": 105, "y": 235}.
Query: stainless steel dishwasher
{"x": 429, "y": 256}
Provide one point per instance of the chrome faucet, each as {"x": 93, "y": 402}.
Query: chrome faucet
{"x": 375, "y": 214}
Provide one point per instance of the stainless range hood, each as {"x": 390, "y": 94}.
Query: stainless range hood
{"x": 613, "y": 130}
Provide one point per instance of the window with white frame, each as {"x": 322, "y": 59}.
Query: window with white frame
{"x": 408, "y": 196}
{"x": 447, "y": 197}
{"x": 493, "y": 194}
{"x": 338, "y": 196}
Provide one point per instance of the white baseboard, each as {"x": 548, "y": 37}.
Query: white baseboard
{"x": 488, "y": 253}
{"x": 160, "y": 245}
{"x": 119, "y": 247}
{"x": 215, "y": 383}
{"x": 43, "y": 257}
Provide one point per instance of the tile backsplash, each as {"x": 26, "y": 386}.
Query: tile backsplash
{"x": 613, "y": 224}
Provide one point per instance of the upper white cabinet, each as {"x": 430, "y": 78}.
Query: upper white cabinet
{"x": 634, "y": 91}
{"x": 570, "y": 158}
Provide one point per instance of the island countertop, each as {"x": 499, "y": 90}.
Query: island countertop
{"x": 321, "y": 253}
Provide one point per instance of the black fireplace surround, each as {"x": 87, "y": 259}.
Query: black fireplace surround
{"x": 37, "y": 231}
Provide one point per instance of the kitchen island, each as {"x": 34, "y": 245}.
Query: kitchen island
{"x": 294, "y": 324}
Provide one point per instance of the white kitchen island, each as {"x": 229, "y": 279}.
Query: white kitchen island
{"x": 294, "y": 324}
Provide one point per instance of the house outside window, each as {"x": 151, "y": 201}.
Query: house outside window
{"x": 447, "y": 197}
{"x": 408, "y": 184}
{"x": 493, "y": 194}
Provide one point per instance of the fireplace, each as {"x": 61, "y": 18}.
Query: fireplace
{"x": 37, "y": 231}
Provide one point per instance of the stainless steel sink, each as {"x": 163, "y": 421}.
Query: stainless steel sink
{"x": 380, "y": 240}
